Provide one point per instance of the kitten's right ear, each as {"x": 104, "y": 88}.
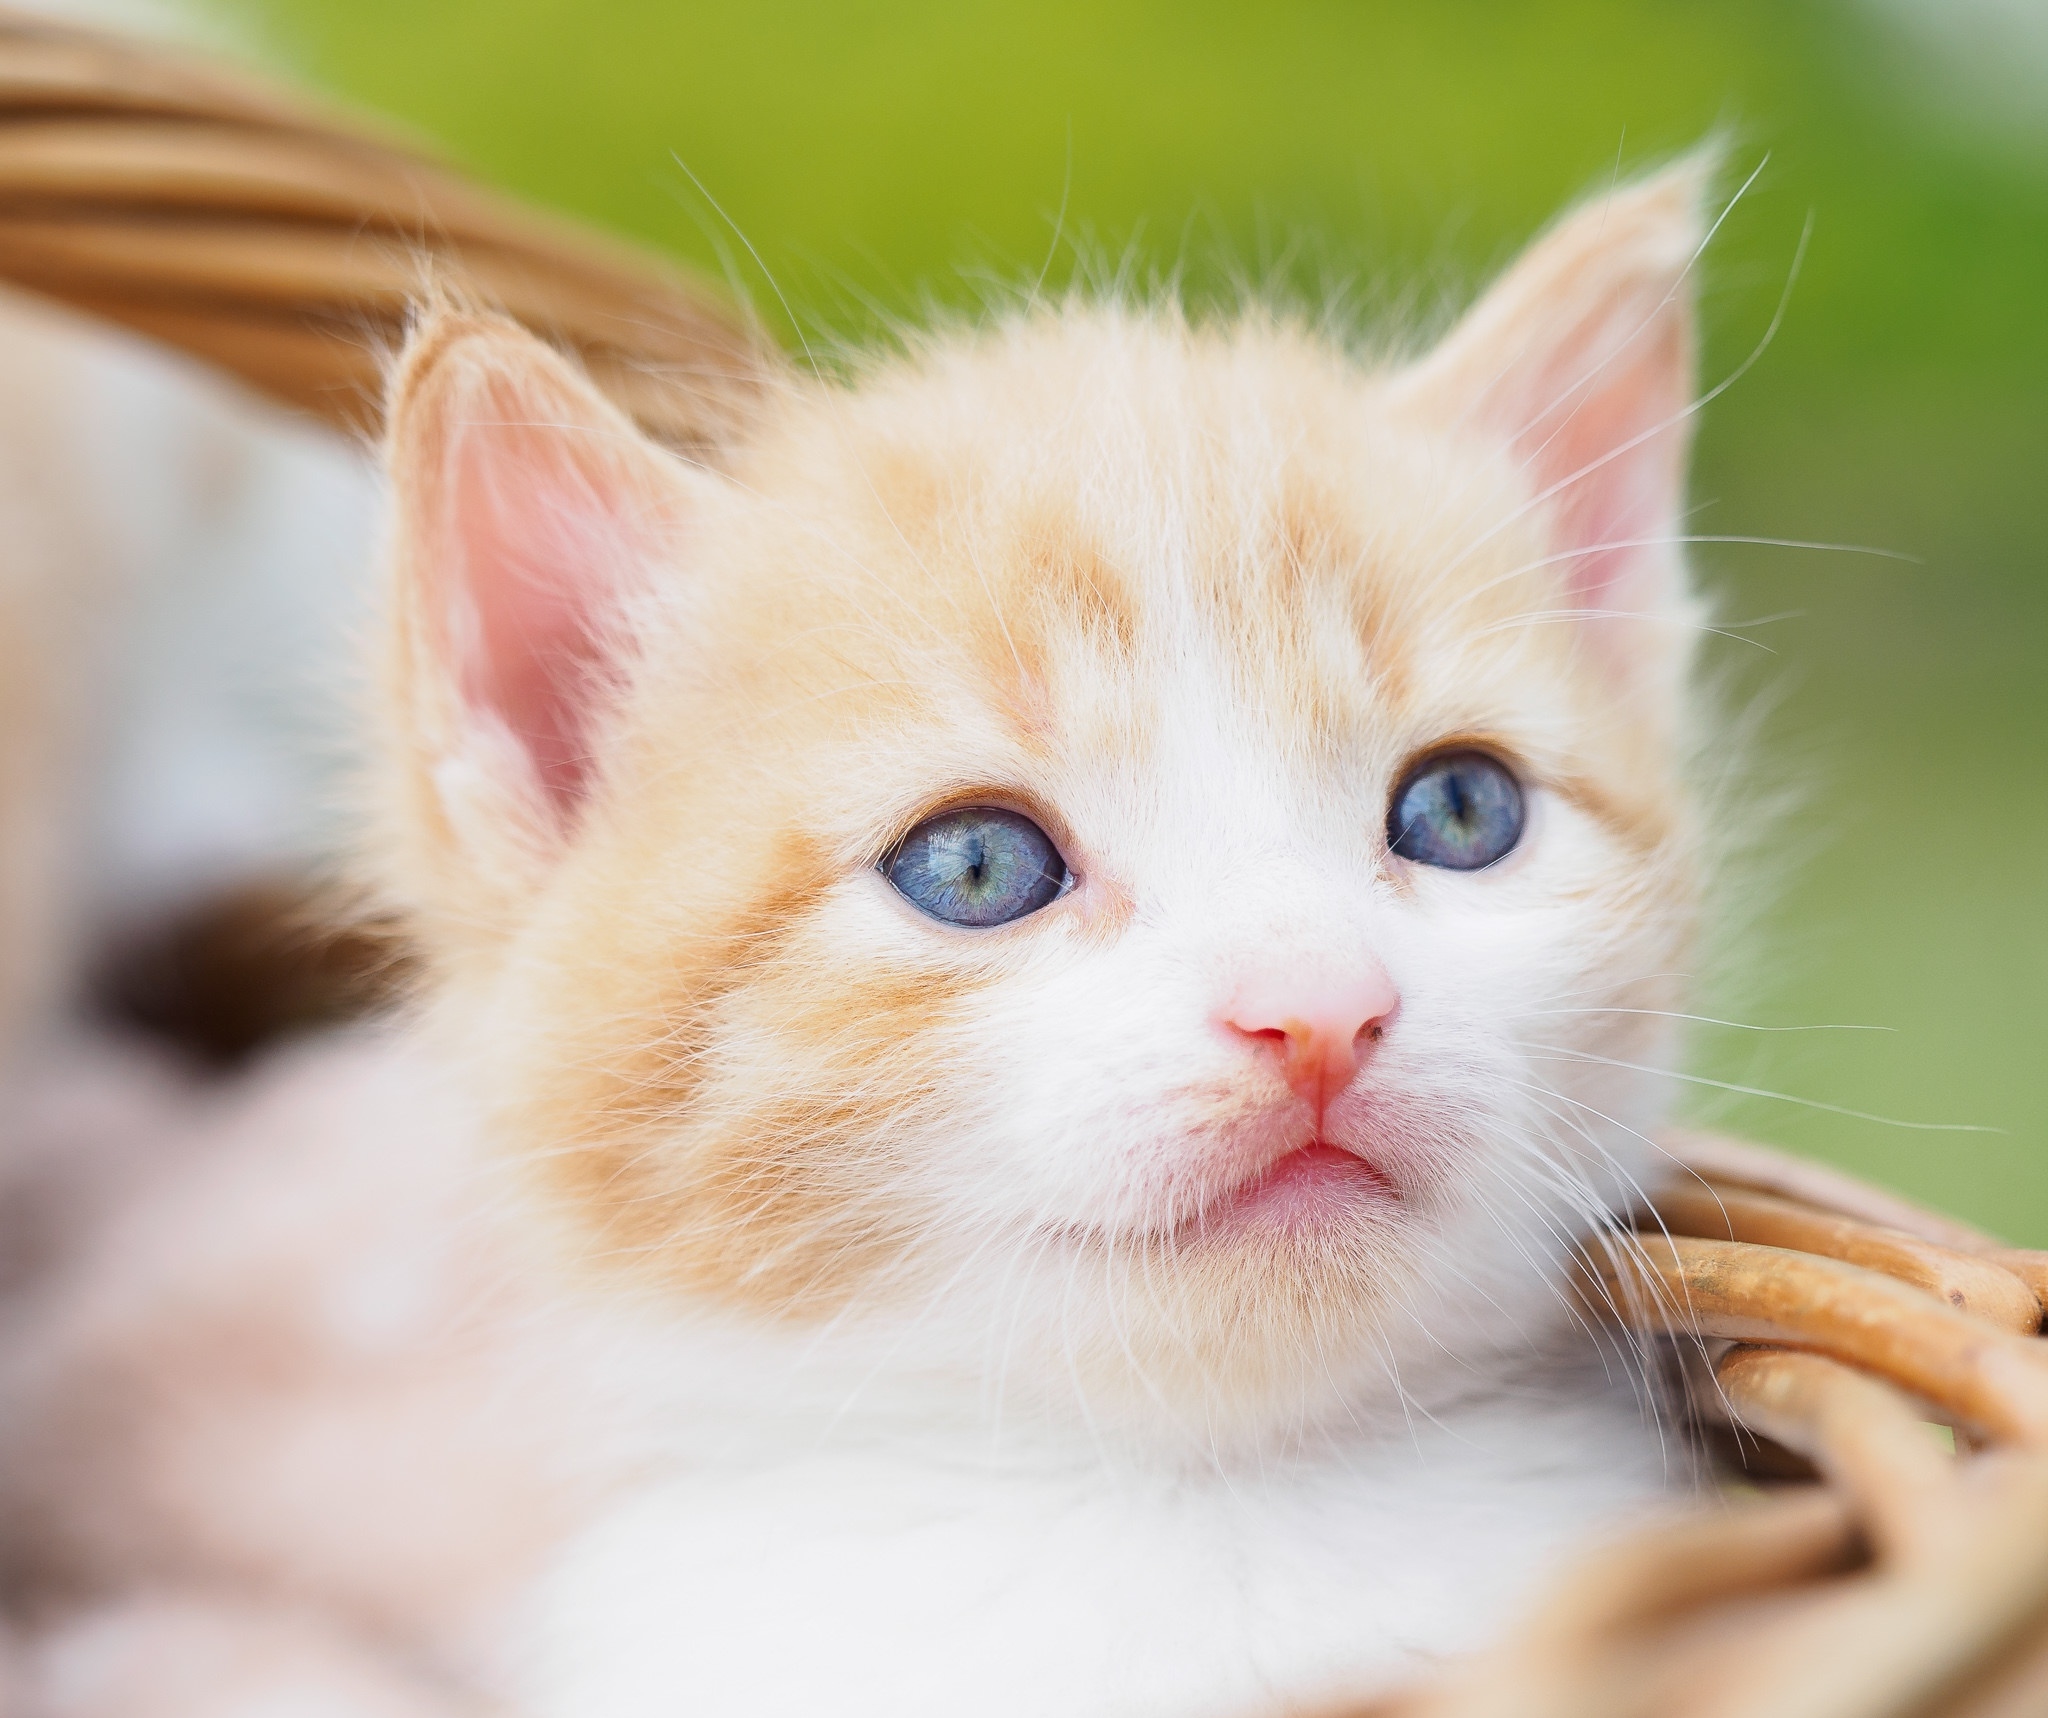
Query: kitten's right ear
{"x": 530, "y": 516}
{"x": 1579, "y": 361}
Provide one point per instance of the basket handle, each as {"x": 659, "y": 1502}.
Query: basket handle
{"x": 289, "y": 244}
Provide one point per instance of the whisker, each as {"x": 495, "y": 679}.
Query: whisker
{"x": 767, "y": 274}
{"x": 1762, "y": 1092}
{"x": 1703, "y": 1020}
{"x": 1554, "y": 616}
{"x": 1677, "y": 539}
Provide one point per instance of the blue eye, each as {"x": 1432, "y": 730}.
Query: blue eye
{"x": 1458, "y": 810}
{"x": 977, "y": 866}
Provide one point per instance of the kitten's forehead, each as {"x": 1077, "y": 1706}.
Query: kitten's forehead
{"x": 1113, "y": 536}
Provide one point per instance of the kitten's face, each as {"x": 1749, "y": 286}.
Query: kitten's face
{"x": 1235, "y": 1099}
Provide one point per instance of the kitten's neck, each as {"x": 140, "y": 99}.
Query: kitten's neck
{"x": 707, "y": 1387}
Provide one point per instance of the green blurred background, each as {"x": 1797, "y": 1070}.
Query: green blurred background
{"x": 881, "y": 156}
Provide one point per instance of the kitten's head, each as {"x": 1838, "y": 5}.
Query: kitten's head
{"x": 1141, "y": 862}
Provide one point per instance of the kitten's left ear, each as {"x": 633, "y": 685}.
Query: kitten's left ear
{"x": 1581, "y": 359}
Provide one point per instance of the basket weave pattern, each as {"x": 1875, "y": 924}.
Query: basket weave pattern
{"x": 288, "y": 245}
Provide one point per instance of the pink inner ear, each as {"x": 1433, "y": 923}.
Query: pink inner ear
{"x": 1610, "y": 446}
{"x": 539, "y": 533}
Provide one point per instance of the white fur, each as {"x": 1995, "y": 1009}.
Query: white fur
{"x": 917, "y": 1576}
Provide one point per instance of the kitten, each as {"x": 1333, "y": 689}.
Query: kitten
{"x": 1059, "y": 946}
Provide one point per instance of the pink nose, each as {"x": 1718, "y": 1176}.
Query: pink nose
{"x": 1321, "y": 1032}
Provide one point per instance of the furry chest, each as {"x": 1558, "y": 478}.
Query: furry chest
{"x": 866, "y": 1582}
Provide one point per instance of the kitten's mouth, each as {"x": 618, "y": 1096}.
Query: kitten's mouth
{"x": 1313, "y": 1184}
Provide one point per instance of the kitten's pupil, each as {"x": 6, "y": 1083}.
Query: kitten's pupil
{"x": 978, "y": 866}
{"x": 1458, "y": 811}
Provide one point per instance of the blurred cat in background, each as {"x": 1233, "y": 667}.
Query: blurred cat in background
{"x": 1031, "y": 975}
{"x": 183, "y": 572}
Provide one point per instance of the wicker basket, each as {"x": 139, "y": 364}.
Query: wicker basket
{"x": 1834, "y": 1327}
{"x": 288, "y": 245}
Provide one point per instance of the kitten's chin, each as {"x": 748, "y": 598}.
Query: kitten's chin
{"x": 1310, "y": 1188}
